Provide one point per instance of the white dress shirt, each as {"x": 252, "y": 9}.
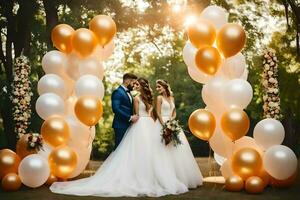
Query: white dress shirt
{"x": 126, "y": 89}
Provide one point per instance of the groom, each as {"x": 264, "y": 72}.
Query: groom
{"x": 122, "y": 106}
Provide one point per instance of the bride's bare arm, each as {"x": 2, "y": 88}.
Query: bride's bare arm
{"x": 158, "y": 109}
{"x": 136, "y": 105}
{"x": 174, "y": 111}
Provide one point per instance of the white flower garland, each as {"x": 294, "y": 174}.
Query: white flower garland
{"x": 271, "y": 97}
{"x": 21, "y": 95}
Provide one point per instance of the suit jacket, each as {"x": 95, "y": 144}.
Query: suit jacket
{"x": 122, "y": 108}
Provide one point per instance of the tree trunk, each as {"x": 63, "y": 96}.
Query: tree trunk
{"x": 51, "y": 19}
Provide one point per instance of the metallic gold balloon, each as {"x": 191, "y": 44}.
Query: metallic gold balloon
{"x": 9, "y": 162}
{"x": 22, "y": 147}
{"x": 84, "y": 41}
{"x": 231, "y": 39}
{"x": 51, "y": 180}
{"x": 88, "y": 110}
{"x": 254, "y": 185}
{"x": 55, "y": 131}
{"x": 104, "y": 28}
{"x": 202, "y": 124}
{"x": 202, "y": 33}
{"x": 264, "y": 176}
{"x": 61, "y": 37}
{"x": 208, "y": 60}
{"x": 11, "y": 182}
{"x": 235, "y": 123}
{"x": 246, "y": 162}
{"x": 234, "y": 183}
{"x": 284, "y": 183}
{"x": 62, "y": 161}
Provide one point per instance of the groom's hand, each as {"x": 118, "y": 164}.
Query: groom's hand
{"x": 134, "y": 118}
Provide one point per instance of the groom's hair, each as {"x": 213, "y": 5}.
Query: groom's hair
{"x": 129, "y": 76}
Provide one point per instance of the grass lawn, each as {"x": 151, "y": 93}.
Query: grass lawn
{"x": 207, "y": 191}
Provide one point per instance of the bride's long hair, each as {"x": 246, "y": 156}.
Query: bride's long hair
{"x": 166, "y": 86}
{"x": 146, "y": 93}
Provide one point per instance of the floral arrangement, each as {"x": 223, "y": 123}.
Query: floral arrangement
{"x": 271, "y": 97}
{"x": 170, "y": 132}
{"x": 21, "y": 95}
{"x": 35, "y": 142}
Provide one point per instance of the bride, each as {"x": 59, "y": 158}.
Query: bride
{"x": 182, "y": 158}
{"x": 140, "y": 166}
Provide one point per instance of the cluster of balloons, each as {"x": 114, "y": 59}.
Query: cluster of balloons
{"x": 213, "y": 58}
{"x": 70, "y": 102}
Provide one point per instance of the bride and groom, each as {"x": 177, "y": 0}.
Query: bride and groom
{"x": 141, "y": 164}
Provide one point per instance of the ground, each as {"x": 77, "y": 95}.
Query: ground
{"x": 207, "y": 191}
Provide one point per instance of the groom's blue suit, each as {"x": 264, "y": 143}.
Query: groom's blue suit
{"x": 123, "y": 110}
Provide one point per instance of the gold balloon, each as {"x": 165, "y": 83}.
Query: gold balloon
{"x": 202, "y": 124}
{"x": 284, "y": 183}
{"x": 84, "y": 42}
{"x": 235, "y": 123}
{"x": 234, "y": 183}
{"x": 61, "y": 37}
{"x": 264, "y": 176}
{"x": 62, "y": 161}
{"x": 22, "y": 147}
{"x": 104, "y": 28}
{"x": 9, "y": 162}
{"x": 202, "y": 33}
{"x": 231, "y": 39}
{"x": 55, "y": 131}
{"x": 11, "y": 182}
{"x": 246, "y": 162}
{"x": 51, "y": 180}
{"x": 254, "y": 185}
{"x": 208, "y": 60}
{"x": 89, "y": 110}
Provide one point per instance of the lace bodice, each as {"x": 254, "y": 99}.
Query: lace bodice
{"x": 142, "y": 108}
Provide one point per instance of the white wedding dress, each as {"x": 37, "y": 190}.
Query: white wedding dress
{"x": 140, "y": 166}
{"x": 182, "y": 158}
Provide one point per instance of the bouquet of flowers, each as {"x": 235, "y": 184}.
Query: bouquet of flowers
{"x": 35, "y": 142}
{"x": 170, "y": 132}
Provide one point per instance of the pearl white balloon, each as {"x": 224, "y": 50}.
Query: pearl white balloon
{"x": 105, "y": 53}
{"x": 226, "y": 169}
{"x": 72, "y": 66}
{"x": 45, "y": 151}
{"x": 83, "y": 157}
{"x": 245, "y": 74}
{"x": 188, "y": 53}
{"x": 244, "y": 142}
{"x": 268, "y": 132}
{"x": 216, "y": 15}
{"x": 197, "y": 75}
{"x": 233, "y": 67}
{"x": 79, "y": 133}
{"x": 219, "y": 159}
{"x": 51, "y": 83}
{"x": 212, "y": 92}
{"x": 89, "y": 85}
{"x": 49, "y": 104}
{"x": 220, "y": 143}
{"x": 91, "y": 66}
{"x": 34, "y": 170}
{"x": 280, "y": 162}
{"x": 237, "y": 93}
{"x": 54, "y": 62}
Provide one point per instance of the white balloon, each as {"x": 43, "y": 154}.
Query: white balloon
{"x": 188, "y": 53}
{"x": 49, "y": 104}
{"x": 244, "y": 142}
{"x": 234, "y": 67}
{"x": 91, "y": 66}
{"x": 45, "y": 151}
{"x": 226, "y": 169}
{"x": 197, "y": 75}
{"x": 104, "y": 53}
{"x": 89, "y": 85}
{"x": 216, "y": 15}
{"x": 219, "y": 159}
{"x": 220, "y": 143}
{"x": 51, "y": 83}
{"x": 268, "y": 132}
{"x": 212, "y": 92}
{"x": 72, "y": 66}
{"x": 83, "y": 157}
{"x": 34, "y": 170}
{"x": 245, "y": 74}
{"x": 54, "y": 62}
{"x": 237, "y": 93}
{"x": 79, "y": 133}
{"x": 280, "y": 162}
